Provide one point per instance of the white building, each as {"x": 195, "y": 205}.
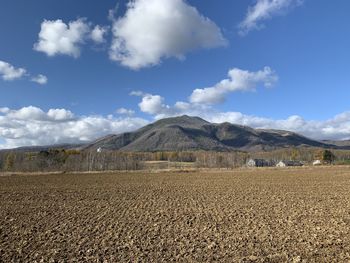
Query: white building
{"x": 289, "y": 163}
{"x": 317, "y": 162}
{"x": 259, "y": 163}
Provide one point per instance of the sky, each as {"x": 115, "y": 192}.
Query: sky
{"x": 73, "y": 71}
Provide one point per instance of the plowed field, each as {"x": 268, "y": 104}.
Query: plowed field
{"x": 259, "y": 215}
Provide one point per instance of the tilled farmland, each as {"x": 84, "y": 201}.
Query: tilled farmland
{"x": 258, "y": 215}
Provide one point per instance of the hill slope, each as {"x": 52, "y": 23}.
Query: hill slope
{"x": 193, "y": 133}
{"x": 343, "y": 144}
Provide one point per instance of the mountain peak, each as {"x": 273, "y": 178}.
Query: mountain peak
{"x": 184, "y": 120}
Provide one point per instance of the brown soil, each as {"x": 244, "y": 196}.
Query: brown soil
{"x": 267, "y": 215}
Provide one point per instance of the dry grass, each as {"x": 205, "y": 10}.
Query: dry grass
{"x": 267, "y": 215}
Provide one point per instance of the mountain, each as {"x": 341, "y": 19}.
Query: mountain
{"x": 344, "y": 144}
{"x": 193, "y": 133}
{"x": 65, "y": 146}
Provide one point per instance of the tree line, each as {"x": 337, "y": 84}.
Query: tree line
{"x": 75, "y": 160}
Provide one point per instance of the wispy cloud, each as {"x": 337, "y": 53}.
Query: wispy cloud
{"x": 40, "y": 79}
{"x": 124, "y": 111}
{"x": 264, "y": 10}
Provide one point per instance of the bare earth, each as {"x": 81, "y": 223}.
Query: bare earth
{"x": 267, "y": 215}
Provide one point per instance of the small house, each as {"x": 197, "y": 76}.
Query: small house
{"x": 317, "y": 162}
{"x": 259, "y": 163}
{"x": 289, "y": 163}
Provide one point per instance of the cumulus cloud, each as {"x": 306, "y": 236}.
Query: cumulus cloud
{"x": 40, "y": 79}
{"x": 9, "y": 72}
{"x": 34, "y": 113}
{"x": 57, "y": 37}
{"x": 263, "y": 10}
{"x": 238, "y": 80}
{"x": 155, "y": 106}
{"x": 98, "y": 34}
{"x": 4, "y": 110}
{"x": 27, "y": 113}
{"x": 201, "y": 100}
{"x": 33, "y": 126}
{"x": 152, "y": 104}
{"x": 60, "y": 115}
{"x": 152, "y": 30}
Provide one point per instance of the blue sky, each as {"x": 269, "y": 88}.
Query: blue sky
{"x": 287, "y": 61}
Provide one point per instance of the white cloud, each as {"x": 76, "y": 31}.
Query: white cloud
{"x": 263, "y": 10}
{"x": 239, "y": 80}
{"x": 4, "y": 110}
{"x": 60, "y": 115}
{"x": 137, "y": 93}
{"x": 154, "y": 29}
{"x": 57, "y": 37}
{"x": 211, "y": 95}
{"x": 112, "y": 13}
{"x": 33, "y": 126}
{"x": 9, "y": 72}
{"x": 155, "y": 106}
{"x": 98, "y": 34}
{"x": 35, "y": 113}
{"x": 40, "y": 79}
{"x": 123, "y": 111}
{"x": 27, "y": 113}
{"x": 201, "y": 100}
{"x": 152, "y": 104}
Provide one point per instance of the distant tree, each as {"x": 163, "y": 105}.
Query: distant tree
{"x": 325, "y": 156}
{"x": 319, "y": 155}
{"x": 295, "y": 155}
{"x": 328, "y": 156}
{"x": 10, "y": 162}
